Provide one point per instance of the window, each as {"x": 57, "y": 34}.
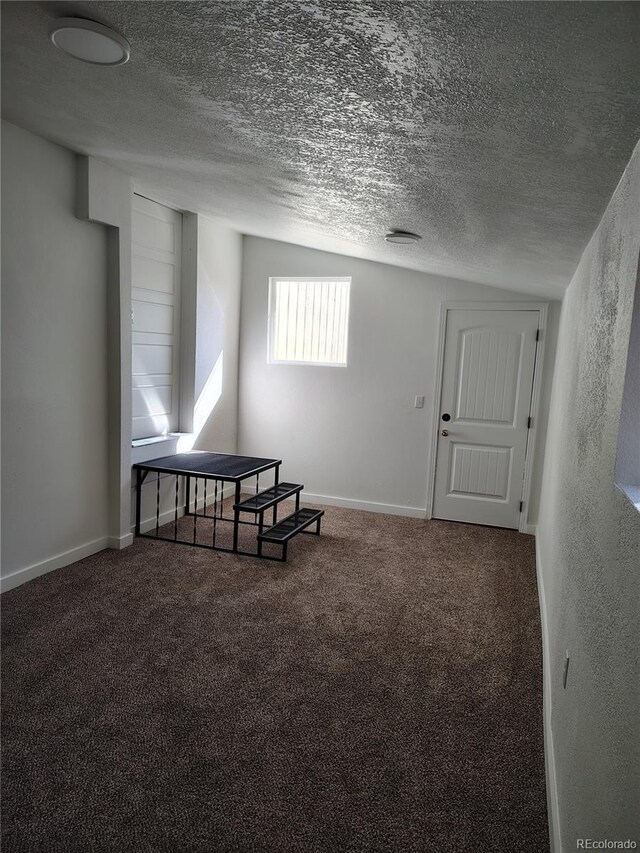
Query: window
{"x": 155, "y": 313}
{"x": 309, "y": 321}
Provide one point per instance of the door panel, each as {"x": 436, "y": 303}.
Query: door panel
{"x": 489, "y": 359}
{"x": 488, "y": 375}
{"x": 480, "y": 470}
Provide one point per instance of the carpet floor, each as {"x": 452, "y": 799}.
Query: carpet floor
{"x": 381, "y": 691}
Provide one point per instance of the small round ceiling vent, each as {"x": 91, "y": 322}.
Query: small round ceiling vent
{"x": 402, "y": 237}
{"x": 89, "y": 41}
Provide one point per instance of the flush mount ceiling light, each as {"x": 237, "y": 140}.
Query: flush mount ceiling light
{"x": 402, "y": 237}
{"x": 89, "y": 41}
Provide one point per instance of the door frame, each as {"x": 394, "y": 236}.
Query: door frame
{"x": 542, "y": 309}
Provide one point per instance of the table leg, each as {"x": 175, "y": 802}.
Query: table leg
{"x": 236, "y": 518}
{"x": 138, "y": 498}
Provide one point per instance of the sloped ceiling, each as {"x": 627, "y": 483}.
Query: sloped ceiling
{"x": 496, "y": 130}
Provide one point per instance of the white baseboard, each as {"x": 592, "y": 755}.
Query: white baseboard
{"x": 368, "y": 506}
{"x": 169, "y": 515}
{"x": 117, "y": 543}
{"x": 66, "y": 558}
{"x": 549, "y": 762}
{"x": 531, "y": 529}
{"x": 147, "y": 524}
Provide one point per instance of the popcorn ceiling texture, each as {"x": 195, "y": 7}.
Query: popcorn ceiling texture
{"x": 589, "y": 540}
{"x": 496, "y": 130}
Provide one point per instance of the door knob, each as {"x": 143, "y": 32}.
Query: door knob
{"x": 445, "y": 432}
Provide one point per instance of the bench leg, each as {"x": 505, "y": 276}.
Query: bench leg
{"x": 276, "y": 480}
{"x": 260, "y": 528}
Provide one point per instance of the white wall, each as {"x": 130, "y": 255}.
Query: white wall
{"x": 353, "y": 433}
{"x": 589, "y": 544}
{"x": 54, "y": 363}
{"x": 217, "y": 335}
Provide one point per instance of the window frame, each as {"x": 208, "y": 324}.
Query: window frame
{"x": 271, "y": 319}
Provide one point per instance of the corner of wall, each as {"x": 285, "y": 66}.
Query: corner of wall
{"x": 103, "y": 195}
{"x": 555, "y": 839}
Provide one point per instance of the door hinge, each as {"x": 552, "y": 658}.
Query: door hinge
{"x": 529, "y": 422}
{"x": 521, "y": 505}
{"x": 537, "y": 334}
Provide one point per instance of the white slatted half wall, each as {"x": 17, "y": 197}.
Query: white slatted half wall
{"x": 309, "y": 321}
{"x": 155, "y": 298}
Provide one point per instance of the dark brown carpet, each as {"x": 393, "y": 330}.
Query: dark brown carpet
{"x": 379, "y": 692}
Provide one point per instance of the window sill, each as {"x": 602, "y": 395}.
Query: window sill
{"x": 144, "y": 449}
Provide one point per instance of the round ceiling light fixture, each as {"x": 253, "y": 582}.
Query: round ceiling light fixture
{"x": 89, "y": 41}
{"x": 403, "y": 237}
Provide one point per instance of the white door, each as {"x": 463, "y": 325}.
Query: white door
{"x": 155, "y": 309}
{"x": 489, "y": 359}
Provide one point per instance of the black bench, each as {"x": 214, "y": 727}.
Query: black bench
{"x": 268, "y": 498}
{"x": 289, "y": 527}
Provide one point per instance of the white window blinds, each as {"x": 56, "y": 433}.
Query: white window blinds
{"x": 309, "y": 320}
{"x": 155, "y": 308}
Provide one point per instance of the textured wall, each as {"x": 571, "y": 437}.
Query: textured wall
{"x": 54, "y": 358}
{"x": 353, "y": 432}
{"x": 589, "y": 540}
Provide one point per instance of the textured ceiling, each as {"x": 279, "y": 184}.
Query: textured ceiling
{"x": 498, "y": 131}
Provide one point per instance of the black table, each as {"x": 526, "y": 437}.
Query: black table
{"x": 200, "y": 465}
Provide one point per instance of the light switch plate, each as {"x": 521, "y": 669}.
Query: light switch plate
{"x": 419, "y": 402}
